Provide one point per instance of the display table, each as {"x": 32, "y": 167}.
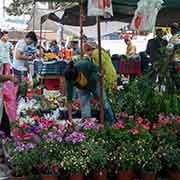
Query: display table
{"x": 130, "y": 67}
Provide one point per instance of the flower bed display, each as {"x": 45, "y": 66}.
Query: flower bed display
{"x": 44, "y": 147}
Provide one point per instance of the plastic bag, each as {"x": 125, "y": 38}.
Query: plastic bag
{"x": 100, "y": 8}
{"x": 9, "y": 96}
{"x": 146, "y": 15}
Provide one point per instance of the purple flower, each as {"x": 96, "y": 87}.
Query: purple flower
{"x": 89, "y": 125}
{"x": 75, "y": 137}
{"x": 2, "y": 134}
{"x": 29, "y": 146}
{"x": 22, "y": 147}
{"x": 35, "y": 129}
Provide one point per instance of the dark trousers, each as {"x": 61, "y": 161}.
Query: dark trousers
{"x": 5, "y": 124}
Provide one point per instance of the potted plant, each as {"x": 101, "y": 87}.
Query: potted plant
{"x": 75, "y": 162}
{"x": 124, "y": 160}
{"x": 171, "y": 158}
{"x": 149, "y": 162}
{"x": 98, "y": 159}
{"x": 23, "y": 160}
{"x": 49, "y": 157}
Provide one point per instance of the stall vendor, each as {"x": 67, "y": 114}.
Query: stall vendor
{"x": 131, "y": 48}
{"x": 91, "y": 53}
{"x": 84, "y": 75}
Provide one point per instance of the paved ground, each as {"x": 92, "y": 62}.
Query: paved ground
{"x": 4, "y": 170}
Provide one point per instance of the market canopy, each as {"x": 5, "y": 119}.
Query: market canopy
{"x": 123, "y": 12}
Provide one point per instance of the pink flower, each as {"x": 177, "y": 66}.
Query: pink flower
{"x": 119, "y": 125}
{"x": 145, "y": 126}
{"x": 119, "y": 88}
{"x": 139, "y": 120}
{"x": 26, "y": 79}
{"x": 131, "y": 117}
{"x": 134, "y": 131}
{"x": 123, "y": 114}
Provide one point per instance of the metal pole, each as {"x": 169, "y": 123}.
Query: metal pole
{"x": 34, "y": 13}
{"x": 101, "y": 99}
{"x": 40, "y": 42}
{"x": 81, "y": 29}
{"x": 4, "y": 8}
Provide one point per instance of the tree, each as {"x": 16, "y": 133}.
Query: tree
{"x": 19, "y": 7}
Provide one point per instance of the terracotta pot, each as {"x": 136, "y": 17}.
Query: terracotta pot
{"x": 174, "y": 175}
{"x": 148, "y": 176}
{"x": 19, "y": 178}
{"x": 102, "y": 175}
{"x": 124, "y": 175}
{"x": 49, "y": 177}
{"x": 76, "y": 177}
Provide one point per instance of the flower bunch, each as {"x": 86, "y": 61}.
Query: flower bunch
{"x": 76, "y": 137}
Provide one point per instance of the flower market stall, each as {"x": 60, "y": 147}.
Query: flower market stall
{"x": 142, "y": 144}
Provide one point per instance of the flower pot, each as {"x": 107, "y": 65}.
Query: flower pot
{"x": 19, "y": 178}
{"x": 102, "y": 175}
{"x": 124, "y": 175}
{"x": 148, "y": 176}
{"x": 174, "y": 175}
{"x": 46, "y": 177}
{"x": 76, "y": 177}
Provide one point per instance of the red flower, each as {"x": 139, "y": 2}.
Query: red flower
{"x": 178, "y": 119}
{"x": 31, "y": 114}
{"x": 24, "y": 126}
{"x": 93, "y": 102}
{"x": 27, "y": 136}
{"x": 77, "y": 103}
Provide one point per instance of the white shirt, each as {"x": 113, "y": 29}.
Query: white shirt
{"x": 4, "y": 52}
{"x": 19, "y": 64}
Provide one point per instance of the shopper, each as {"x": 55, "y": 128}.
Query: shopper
{"x": 91, "y": 53}
{"x": 54, "y": 47}
{"x": 24, "y": 52}
{"x": 5, "y": 52}
{"x": 84, "y": 76}
{"x": 154, "y": 45}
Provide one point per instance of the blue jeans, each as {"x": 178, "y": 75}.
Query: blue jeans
{"x": 85, "y": 97}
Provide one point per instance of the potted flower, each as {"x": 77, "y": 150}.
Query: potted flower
{"x": 75, "y": 163}
{"x": 124, "y": 160}
{"x": 98, "y": 159}
{"x": 50, "y": 156}
{"x": 171, "y": 158}
{"x": 23, "y": 159}
{"x": 149, "y": 162}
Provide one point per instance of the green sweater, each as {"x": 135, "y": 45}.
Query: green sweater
{"x": 90, "y": 71}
